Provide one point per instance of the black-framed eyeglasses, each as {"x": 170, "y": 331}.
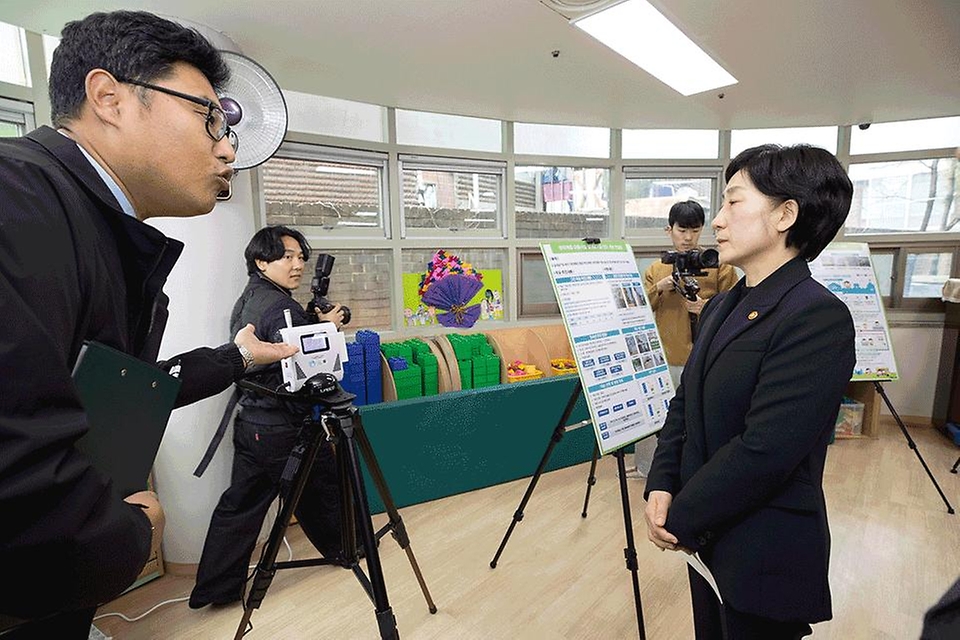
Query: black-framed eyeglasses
{"x": 217, "y": 126}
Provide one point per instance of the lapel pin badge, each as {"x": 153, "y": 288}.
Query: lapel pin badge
{"x": 752, "y": 315}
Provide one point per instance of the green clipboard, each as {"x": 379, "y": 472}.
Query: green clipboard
{"x": 128, "y": 403}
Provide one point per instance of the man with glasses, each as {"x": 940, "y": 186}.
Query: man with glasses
{"x": 139, "y": 132}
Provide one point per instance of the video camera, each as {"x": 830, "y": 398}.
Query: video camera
{"x": 319, "y": 286}
{"x": 687, "y": 265}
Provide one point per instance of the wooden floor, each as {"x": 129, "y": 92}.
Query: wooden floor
{"x": 895, "y": 551}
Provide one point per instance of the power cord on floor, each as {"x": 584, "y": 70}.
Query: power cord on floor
{"x": 145, "y": 613}
{"x": 175, "y": 600}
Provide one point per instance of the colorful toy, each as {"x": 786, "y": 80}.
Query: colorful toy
{"x": 562, "y": 366}
{"x": 518, "y": 370}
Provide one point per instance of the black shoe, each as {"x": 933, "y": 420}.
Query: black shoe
{"x": 198, "y": 602}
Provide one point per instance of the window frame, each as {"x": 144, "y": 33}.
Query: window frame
{"x": 18, "y": 113}
{"x": 414, "y": 162}
{"x": 573, "y": 164}
{"x": 902, "y": 237}
{"x": 539, "y": 310}
{"x": 708, "y": 171}
{"x": 896, "y": 299}
{"x": 361, "y": 158}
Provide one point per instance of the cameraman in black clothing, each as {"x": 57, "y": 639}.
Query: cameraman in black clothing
{"x": 265, "y": 432}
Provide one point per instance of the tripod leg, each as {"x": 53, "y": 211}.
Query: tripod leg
{"x": 912, "y": 444}
{"x": 303, "y": 455}
{"x": 591, "y": 479}
{"x": 348, "y": 518}
{"x": 630, "y": 552}
{"x": 554, "y": 439}
{"x": 385, "y": 618}
{"x": 396, "y": 525}
{"x": 955, "y": 465}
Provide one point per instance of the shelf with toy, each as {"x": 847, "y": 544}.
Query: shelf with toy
{"x": 471, "y": 359}
{"x": 519, "y": 343}
{"x": 518, "y": 371}
{"x": 415, "y": 367}
{"x": 557, "y": 343}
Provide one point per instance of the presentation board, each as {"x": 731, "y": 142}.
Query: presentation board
{"x": 845, "y": 269}
{"x": 614, "y": 338}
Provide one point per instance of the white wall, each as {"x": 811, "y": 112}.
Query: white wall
{"x": 917, "y": 350}
{"x": 202, "y": 288}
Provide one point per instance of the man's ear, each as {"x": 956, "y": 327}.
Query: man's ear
{"x": 789, "y": 211}
{"x": 261, "y": 265}
{"x": 105, "y": 98}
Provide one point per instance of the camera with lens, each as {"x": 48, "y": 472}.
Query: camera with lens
{"x": 319, "y": 286}
{"x": 687, "y": 265}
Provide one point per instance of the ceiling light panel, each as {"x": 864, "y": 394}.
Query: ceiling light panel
{"x": 642, "y": 35}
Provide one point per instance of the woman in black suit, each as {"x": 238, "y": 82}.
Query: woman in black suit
{"x": 738, "y": 470}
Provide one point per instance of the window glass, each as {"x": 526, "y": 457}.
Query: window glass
{"x": 13, "y": 67}
{"x": 934, "y": 133}
{"x": 561, "y": 140}
{"x": 360, "y": 279}
{"x": 492, "y": 263}
{"x": 16, "y": 118}
{"x": 441, "y": 200}
{"x": 50, "y": 43}
{"x": 562, "y": 202}
{"x": 671, "y": 143}
{"x": 925, "y": 274}
{"x": 883, "y": 268}
{"x": 911, "y": 195}
{"x": 9, "y": 129}
{"x": 335, "y": 117}
{"x": 536, "y": 291}
{"x": 334, "y": 195}
{"x": 448, "y": 131}
{"x": 825, "y": 137}
{"x": 648, "y": 199}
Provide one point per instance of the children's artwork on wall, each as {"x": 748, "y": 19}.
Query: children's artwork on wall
{"x": 451, "y": 293}
{"x": 451, "y": 296}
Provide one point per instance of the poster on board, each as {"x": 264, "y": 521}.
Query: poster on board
{"x": 615, "y": 342}
{"x": 845, "y": 269}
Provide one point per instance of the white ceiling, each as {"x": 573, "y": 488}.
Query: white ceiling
{"x": 799, "y": 62}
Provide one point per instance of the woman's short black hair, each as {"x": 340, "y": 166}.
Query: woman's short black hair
{"x": 267, "y": 245}
{"x": 688, "y": 215}
{"x": 811, "y": 176}
{"x": 133, "y": 45}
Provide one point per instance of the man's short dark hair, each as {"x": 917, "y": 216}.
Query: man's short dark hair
{"x": 688, "y": 215}
{"x": 811, "y": 176}
{"x": 267, "y": 245}
{"x": 133, "y": 45}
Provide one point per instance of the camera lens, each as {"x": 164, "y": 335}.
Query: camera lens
{"x": 709, "y": 259}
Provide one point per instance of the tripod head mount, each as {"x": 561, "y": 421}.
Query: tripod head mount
{"x": 321, "y": 391}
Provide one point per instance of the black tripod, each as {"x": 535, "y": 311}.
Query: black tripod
{"x": 630, "y": 552}
{"x": 913, "y": 445}
{"x": 334, "y": 417}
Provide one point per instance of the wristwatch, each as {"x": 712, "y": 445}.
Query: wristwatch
{"x": 246, "y": 355}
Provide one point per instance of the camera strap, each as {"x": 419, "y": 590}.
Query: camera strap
{"x": 218, "y": 435}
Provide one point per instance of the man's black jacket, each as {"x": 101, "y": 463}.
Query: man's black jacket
{"x": 73, "y": 267}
